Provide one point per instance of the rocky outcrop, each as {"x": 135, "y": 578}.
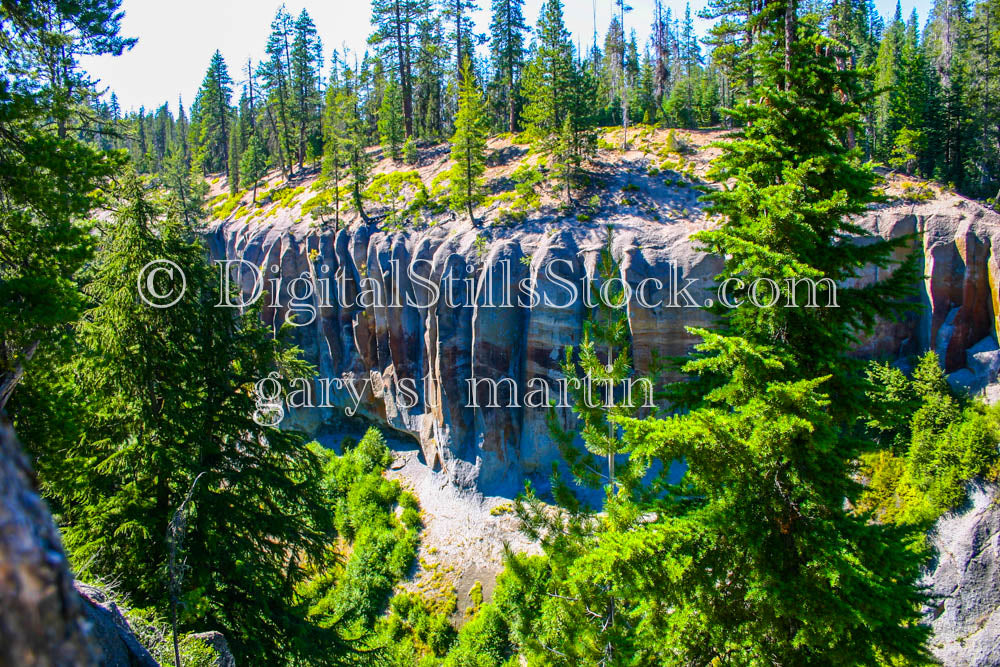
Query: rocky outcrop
{"x": 42, "y": 619}
{"x": 217, "y": 642}
{"x": 111, "y": 632}
{"x": 964, "y": 583}
{"x": 436, "y": 347}
{"x": 959, "y": 295}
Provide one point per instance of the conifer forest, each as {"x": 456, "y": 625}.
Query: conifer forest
{"x": 311, "y": 456}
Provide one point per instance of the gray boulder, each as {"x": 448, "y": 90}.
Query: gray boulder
{"x": 217, "y": 642}
{"x": 42, "y": 620}
{"x": 110, "y": 631}
{"x": 964, "y": 581}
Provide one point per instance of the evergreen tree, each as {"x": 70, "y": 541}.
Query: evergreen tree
{"x": 763, "y": 559}
{"x": 275, "y": 73}
{"x": 614, "y": 84}
{"x": 431, "y": 67}
{"x": 390, "y": 121}
{"x": 468, "y": 147}
{"x": 336, "y": 147}
{"x": 622, "y": 8}
{"x": 661, "y": 41}
{"x": 583, "y": 621}
{"x": 235, "y": 155}
{"x": 507, "y": 55}
{"x": 458, "y": 13}
{"x": 734, "y": 37}
{"x": 358, "y": 159}
{"x": 165, "y": 397}
{"x": 186, "y": 188}
{"x": 211, "y": 115}
{"x": 550, "y": 74}
{"x": 306, "y": 65}
{"x": 253, "y": 165}
{"x": 140, "y": 151}
{"x": 911, "y": 108}
{"x": 395, "y": 24}
{"x": 49, "y": 180}
{"x": 983, "y": 65}
{"x": 945, "y": 50}
{"x": 888, "y": 64}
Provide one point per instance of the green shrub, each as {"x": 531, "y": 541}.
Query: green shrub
{"x": 414, "y": 624}
{"x": 383, "y": 547}
{"x": 916, "y": 192}
{"x": 411, "y": 518}
{"x": 410, "y": 154}
{"x": 934, "y": 444}
{"x": 401, "y": 192}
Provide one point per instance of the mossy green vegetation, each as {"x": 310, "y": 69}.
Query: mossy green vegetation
{"x": 936, "y": 442}
{"x": 379, "y": 548}
{"x": 403, "y": 194}
{"x": 516, "y": 204}
{"x": 224, "y": 205}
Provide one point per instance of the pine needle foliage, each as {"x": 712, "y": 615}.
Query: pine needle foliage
{"x": 152, "y": 408}
{"x": 760, "y": 557}
{"x": 468, "y": 147}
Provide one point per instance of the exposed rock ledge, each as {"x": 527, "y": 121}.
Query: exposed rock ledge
{"x": 42, "y": 619}
{"x": 964, "y": 579}
{"x": 493, "y": 447}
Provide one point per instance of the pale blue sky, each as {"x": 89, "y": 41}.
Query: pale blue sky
{"x": 177, "y": 38}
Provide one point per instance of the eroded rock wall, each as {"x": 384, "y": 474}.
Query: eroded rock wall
{"x": 964, "y": 582}
{"x": 438, "y": 346}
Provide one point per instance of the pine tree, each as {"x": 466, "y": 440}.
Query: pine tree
{"x": 158, "y": 410}
{"x": 945, "y": 50}
{"x": 983, "y": 65}
{"x": 888, "y": 64}
{"x": 911, "y": 103}
{"x": 549, "y": 77}
{"x": 763, "y": 559}
{"x": 186, "y": 188}
{"x": 390, "y": 121}
{"x": 358, "y": 159}
{"x": 507, "y": 55}
{"x": 468, "y": 147}
{"x": 306, "y": 65}
{"x": 662, "y": 41}
{"x": 140, "y": 150}
{"x": 622, "y": 8}
{"x": 584, "y": 621}
{"x": 458, "y": 13}
{"x": 49, "y": 179}
{"x": 235, "y": 155}
{"x": 614, "y": 70}
{"x": 253, "y": 165}
{"x": 275, "y": 73}
{"x": 336, "y": 147}
{"x": 395, "y": 24}
{"x": 211, "y": 113}
{"x": 734, "y": 37}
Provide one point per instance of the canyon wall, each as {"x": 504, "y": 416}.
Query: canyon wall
{"x": 409, "y": 339}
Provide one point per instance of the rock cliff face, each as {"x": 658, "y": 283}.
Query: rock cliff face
{"x": 42, "y": 619}
{"x": 388, "y": 346}
{"x": 964, "y": 580}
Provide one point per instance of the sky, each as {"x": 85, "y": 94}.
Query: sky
{"x": 177, "y": 38}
